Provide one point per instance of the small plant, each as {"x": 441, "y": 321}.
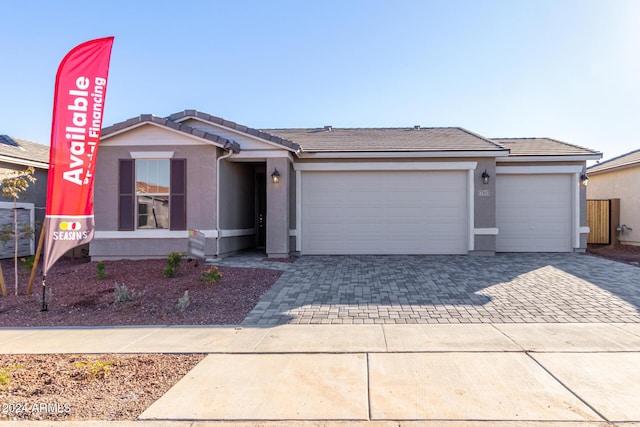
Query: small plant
{"x": 100, "y": 270}
{"x": 122, "y": 294}
{"x": 183, "y": 302}
{"x": 173, "y": 263}
{"x": 169, "y": 272}
{"x": 27, "y": 262}
{"x": 6, "y": 376}
{"x": 97, "y": 369}
{"x": 210, "y": 276}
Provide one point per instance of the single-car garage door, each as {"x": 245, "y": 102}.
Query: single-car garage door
{"x": 384, "y": 212}
{"x": 533, "y": 213}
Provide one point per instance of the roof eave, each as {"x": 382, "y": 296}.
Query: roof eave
{"x": 612, "y": 168}
{"x": 380, "y": 154}
{"x": 551, "y": 158}
{"x": 147, "y": 119}
{"x": 233, "y": 127}
{"x": 24, "y": 162}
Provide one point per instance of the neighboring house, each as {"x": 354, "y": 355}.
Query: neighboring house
{"x": 338, "y": 191}
{"x": 619, "y": 178}
{"x": 18, "y": 154}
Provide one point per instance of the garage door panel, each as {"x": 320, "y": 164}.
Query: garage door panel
{"x": 534, "y": 213}
{"x": 385, "y": 212}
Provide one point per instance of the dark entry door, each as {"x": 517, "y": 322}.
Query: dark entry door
{"x": 261, "y": 208}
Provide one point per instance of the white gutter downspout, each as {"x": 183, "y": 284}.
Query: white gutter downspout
{"x": 226, "y": 156}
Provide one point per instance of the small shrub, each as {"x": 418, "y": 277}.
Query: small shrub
{"x": 97, "y": 369}
{"x": 122, "y": 294}
{"x": 6, "y": 376}
{"x": 210, "y": 276}
{"x": 169, "y": 272}
{"x": 27, "y": 262}
{"x": 100, "y": 270}
{"x": 173, "y": 264}
{"x": 183, "y": 302}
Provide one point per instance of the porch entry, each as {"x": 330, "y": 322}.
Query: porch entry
{"x": 243, "y": 213}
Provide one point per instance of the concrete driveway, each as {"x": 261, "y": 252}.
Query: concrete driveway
{"x": 507, "y": 288}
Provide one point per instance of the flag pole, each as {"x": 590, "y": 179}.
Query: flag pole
{"x": 78, "y": 105}
{"x": 2, "y": 284}
{"x": 37, "y": 258}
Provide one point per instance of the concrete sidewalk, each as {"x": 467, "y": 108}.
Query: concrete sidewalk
{"x": 377, "y": 375}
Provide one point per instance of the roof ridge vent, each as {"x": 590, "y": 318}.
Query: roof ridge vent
{"x": 328, "y": 128}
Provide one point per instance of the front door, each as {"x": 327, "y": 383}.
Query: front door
{"x": 261, "y": 209}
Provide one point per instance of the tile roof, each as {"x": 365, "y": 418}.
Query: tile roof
{"x": 233, "y": 125}
{"x": 165, "y": 122}
{"x": 542, "y": 147}
{"x": 19, "y": 151}
{"x": 330, "y": 139}
{"x": 629, "y": 159}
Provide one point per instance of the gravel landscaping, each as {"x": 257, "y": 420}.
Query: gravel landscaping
{"x": 112, "y": 387}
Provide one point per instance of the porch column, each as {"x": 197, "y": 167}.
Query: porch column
{"x": 278, "y": 208}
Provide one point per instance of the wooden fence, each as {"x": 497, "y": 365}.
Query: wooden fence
{"x": 603, "y": 219}
{"x": 599, "y": 221}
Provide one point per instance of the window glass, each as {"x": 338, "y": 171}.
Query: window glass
{"x": 152, "y": 193}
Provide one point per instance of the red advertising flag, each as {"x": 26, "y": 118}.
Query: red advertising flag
{"x": 78, "y": 106}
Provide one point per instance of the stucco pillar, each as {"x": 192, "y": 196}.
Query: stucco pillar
{"x": 485, "y": 208}
{"x": 278, "y": 208}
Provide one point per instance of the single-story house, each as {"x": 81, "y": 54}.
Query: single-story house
{"x": 18, "y": 154}
{"x": 619, "y": 178}
{"x": 327, "y": 190}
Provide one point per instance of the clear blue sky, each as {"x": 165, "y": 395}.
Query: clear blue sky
{"x": 567, "y": 69}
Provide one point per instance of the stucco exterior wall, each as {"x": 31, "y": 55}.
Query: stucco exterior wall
{"x": 485, "y": 206}
{"x": 200, "y": 198}
{"x": 278, "y": 208}
{"x": 622, "y": 184}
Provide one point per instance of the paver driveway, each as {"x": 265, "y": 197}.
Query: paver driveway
{"x": 506, "y": 288}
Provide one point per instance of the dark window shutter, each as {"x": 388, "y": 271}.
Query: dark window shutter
{"x": 178, "y": 200}
{"x": 126, "y": 194}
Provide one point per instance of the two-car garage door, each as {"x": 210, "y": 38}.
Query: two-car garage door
{"x": 384, "y": 212}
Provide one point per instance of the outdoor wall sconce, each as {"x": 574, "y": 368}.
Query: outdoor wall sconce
{"x": 485, "y": 177}
{"x": 584, "y": 179}
{"x": 275, "y": 176}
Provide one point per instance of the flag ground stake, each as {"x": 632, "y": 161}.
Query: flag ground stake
{"x": 44, "y": 296}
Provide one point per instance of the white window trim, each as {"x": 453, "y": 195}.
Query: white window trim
{"x": 143, "y": 234}
{"x": 152, "y": 155}
{"x": 491, "y": 231}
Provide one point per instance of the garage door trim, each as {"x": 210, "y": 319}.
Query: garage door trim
{"x": 387, "y": 166}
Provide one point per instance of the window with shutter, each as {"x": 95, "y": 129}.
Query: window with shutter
{"x": 152, "y": 194}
